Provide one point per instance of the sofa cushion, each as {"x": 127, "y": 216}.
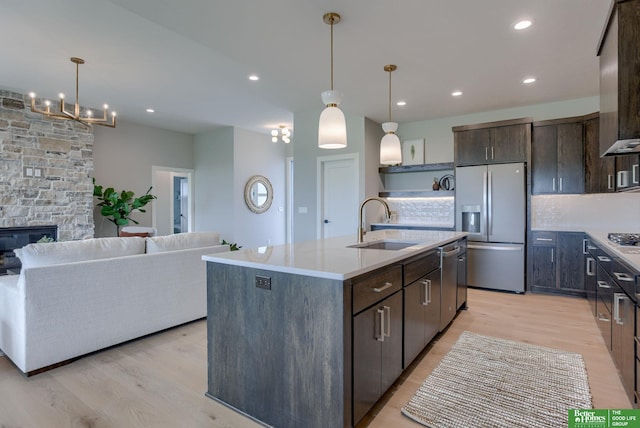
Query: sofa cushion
{"x": 182, "y": 241}
{"x": 53, "y": 253}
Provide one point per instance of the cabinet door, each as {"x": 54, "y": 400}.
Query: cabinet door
{"x": 391, "y": 360}
{"x": 622, "y": 339}
{"x": 590, "y": 281}
{"x": 509, "y": 143}
{"x": 627, "y": 171}
{"x": 544, "y": 266}
{"x": 570, "y": 261}
{"x": 570, "y": 158}
{"x": 544, "y": 159}
{"x": 599, "y": 172}
{"x": 472, "y": 146}
{"x": 377, "y": 352}
{"x": 432, "y": 316}
{"x": 415, "y": 301}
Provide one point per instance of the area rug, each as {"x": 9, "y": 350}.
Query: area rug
{"x": 489, "y": 382}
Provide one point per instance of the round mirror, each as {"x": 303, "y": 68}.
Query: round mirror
{"x": 258, "y": 194}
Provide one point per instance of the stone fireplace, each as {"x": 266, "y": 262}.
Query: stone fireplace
{"x": 46, "y": 167}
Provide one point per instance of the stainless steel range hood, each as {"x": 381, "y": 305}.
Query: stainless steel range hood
{"x": 623, "y": 147}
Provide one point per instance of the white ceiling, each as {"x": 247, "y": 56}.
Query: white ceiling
{"x": 190, "y": 59}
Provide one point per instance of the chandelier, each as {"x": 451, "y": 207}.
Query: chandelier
{"x": 284, "y": 134}
{"x": 61, "y": 113}
{"x": 332, "y": 127}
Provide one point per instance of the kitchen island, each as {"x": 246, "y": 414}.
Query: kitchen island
{"x": 284, "y": 324}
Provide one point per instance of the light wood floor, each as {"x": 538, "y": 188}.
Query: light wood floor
{"x": 159, "y": 381}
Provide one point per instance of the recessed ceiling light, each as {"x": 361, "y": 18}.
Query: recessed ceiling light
{"x": 456, "y": 93}
{"x": 254, "y": 77}
{"x": 401, "y": 103}
{"x": 523, "y": 24}
{"x": 150, "y": 110}
{"x": 529, "y": 80}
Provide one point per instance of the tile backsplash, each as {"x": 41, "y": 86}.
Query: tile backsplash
{"x": 610, "y": 212}
{"x": 436, "y": 212}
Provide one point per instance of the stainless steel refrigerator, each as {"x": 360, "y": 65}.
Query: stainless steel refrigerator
{"x": 491, "y": 206}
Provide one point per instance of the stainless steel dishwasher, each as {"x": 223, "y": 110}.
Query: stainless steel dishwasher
{"x": 448, "y": 283}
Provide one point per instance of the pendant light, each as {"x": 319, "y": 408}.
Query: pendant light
{"x": 332, "y": 127}
{"x": 390, "y": 152}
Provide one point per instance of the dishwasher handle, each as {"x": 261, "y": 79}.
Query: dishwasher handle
{"x": 450, "y": 253}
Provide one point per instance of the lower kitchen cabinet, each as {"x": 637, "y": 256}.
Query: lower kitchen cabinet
{"x": 377, "y": 352}
{"x": 622, "y": 339}
{"x": 557, "y": 263}
{"x": 421, "y": 314}
{"x": 590, "y": 280}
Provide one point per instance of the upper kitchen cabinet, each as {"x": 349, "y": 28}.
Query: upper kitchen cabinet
{"x": 627, "y": 172}
{"x": 557, "y": 158}
{"x": 494, "y": 142}
{"x": 599, "y": 173}
{"x": 619, "y": 53}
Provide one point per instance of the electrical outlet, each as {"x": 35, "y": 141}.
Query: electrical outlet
{"x": 263, "y": 282}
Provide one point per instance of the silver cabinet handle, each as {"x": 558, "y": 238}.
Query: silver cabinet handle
{"x": 604, "y": 259}
{"x": 492, "y": 157}
{"x": 387, "y": 311}
{"x": 603, "y": 284}
{"x": 623, "y": 277}
{"x": 617, "y": 297}
{"x": 552, "y": 256}
{"x": 544, "y": 239}
{"x": 610, "y": 182}
{"x": 384, "y": 287}
{"x": 635, "y": 176}
{"x": 425, "y": 283}
{"x": 602, "y": 317}
{"x": 381, "y": 337}
{"x": 486, "y": 153}
{"x": 560, "y": 185}
{"x": 591, "y": 266}
{"x": 553, "y": 184}
{"x": 584, "y": 246}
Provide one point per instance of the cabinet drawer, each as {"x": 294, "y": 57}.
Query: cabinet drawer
{"x": 625, "y": 277}
{"x": 604, "y": 260}
{"x": 371, "y": 288}
{"x": 544, "y": 238}
{"x": 605, "y": 287}
{"x": 420, "y": 266}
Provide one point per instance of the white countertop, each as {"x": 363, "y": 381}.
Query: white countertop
{"x": 630, "y": 255}
{"x": 332, "y": 258}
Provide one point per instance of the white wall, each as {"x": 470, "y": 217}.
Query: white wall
{"x": 214, "y": 158}
{"x": 123, "y": 157}
{"x": 225, "y": 159}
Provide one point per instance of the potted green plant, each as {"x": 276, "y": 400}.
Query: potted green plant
{"x": 117, "y": 207}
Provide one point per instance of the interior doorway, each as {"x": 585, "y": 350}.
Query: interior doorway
{"x": 173, "y": 211}
{"x": 337, "y": 195}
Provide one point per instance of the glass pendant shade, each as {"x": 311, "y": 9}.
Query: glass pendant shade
{"x": 332, "y": 129}
{"x": 332, "y": 126}
{"x": 390, "y": 151}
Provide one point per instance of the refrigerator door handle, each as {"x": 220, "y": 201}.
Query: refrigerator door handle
{"x": 483, "y": 221}
{"x": 489, "y": 207}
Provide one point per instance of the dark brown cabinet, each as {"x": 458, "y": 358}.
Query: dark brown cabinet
{"x": 627, "y": 172}
{"x": 557, "y": 156}
{"x": 599, "y": 173}
{"x": 619, "y": 53}
{"x": 557, "y": 263}
{"x": 495, "y": 142}
{"x": 377, "y": 352}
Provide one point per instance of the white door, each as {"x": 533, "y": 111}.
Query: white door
{"x": 339, "y": 200}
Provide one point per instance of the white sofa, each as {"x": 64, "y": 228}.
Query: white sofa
{"x": 72, "y": 298}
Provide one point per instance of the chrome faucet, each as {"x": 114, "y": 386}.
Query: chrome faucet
{"x": 361, "y": 231}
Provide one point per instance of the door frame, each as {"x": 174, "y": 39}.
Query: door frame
{"x": 320, "y": 164}
{"x": 180, "y": 172}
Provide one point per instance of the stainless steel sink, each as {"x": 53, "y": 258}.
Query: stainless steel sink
{"x": 383, "y": 245}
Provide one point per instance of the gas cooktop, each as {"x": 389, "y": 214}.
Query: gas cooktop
{"x": 625, "y": 239}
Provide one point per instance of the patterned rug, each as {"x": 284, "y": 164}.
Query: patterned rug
{"x": 489, "y": 382}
